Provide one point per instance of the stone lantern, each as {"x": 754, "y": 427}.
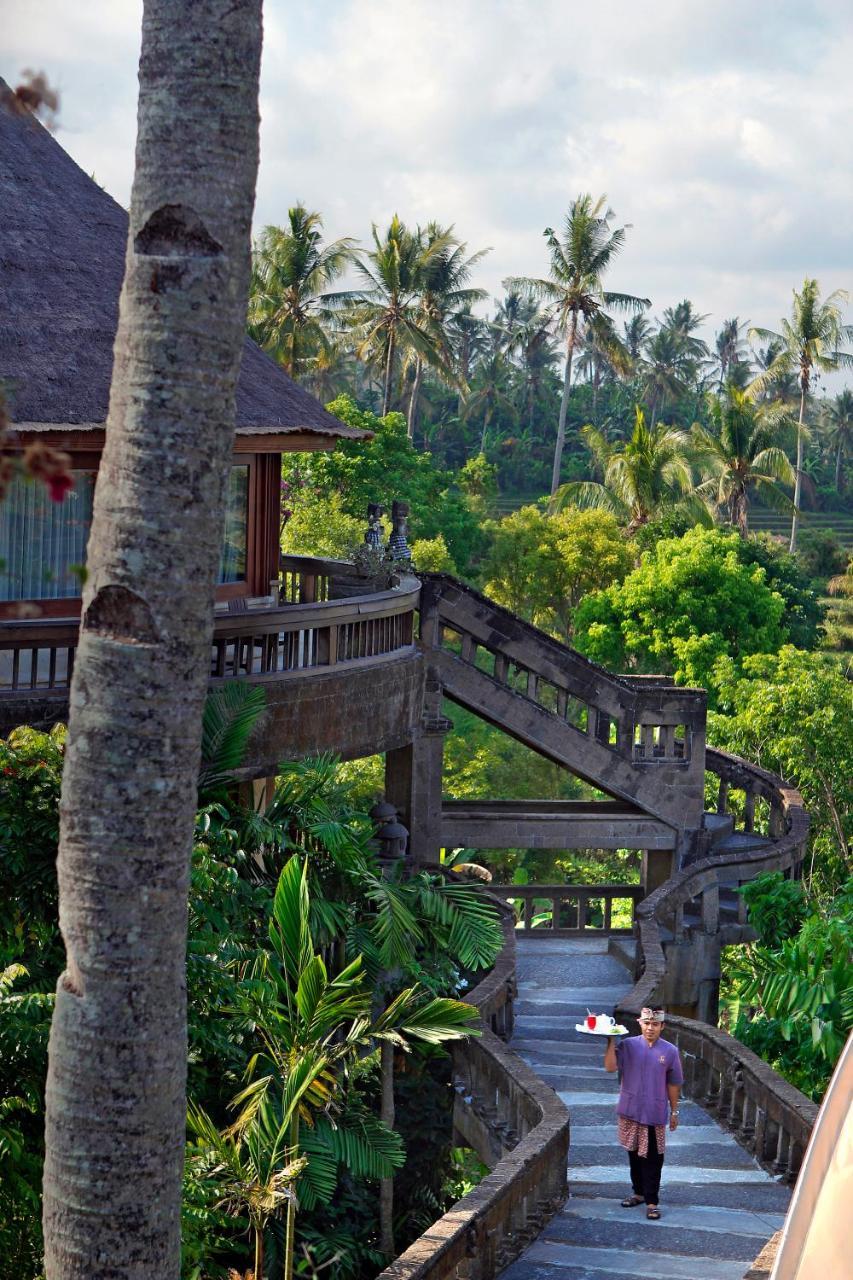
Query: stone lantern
{"x": 391, "y": 836}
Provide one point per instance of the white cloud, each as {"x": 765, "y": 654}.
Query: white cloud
{"x": 719, "y": 132}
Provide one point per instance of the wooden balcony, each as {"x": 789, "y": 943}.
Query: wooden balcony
{"x": 322, "y": 623}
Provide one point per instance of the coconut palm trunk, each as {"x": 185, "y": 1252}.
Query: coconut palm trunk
{"x": 413, "y": 401}
{"x": 116, "y": 1107}
{"x": 389, "y": 374}
{"x": 798, "y": 478}
{"x": 564, "y": 405}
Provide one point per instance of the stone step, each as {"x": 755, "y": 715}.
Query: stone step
{"x": 694, "y": 1217}
{"x": 632, "y": 1230}
{"x": 555, "y": 1260}
{"x": 768, "y": 1197}
{"x": 696, "y": 1153}
{"x": 718, "y": 826}
{"x": 672, "y": 1174}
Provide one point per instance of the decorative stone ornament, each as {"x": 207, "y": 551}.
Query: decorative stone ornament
{"x": 398, "y": 547}
{"x": 373, "y": 532}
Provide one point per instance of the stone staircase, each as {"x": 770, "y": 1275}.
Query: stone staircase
{"x": 719, "y": 1206}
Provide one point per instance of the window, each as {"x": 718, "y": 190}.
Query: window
{"x": 41, "y": 541}
{"x": 232, "y": 566}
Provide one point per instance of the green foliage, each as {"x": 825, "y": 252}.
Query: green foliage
{"x": 643, "y": 476}
{"x": 793, "y": 1002}
{"x": 541, "y": 566}
{"x": 776, "y": 907}
{"x": 380, "y": 470}
{"x": 319, "y": 525}
{"x": 30, "y": 777}
{"x": 691, "y": 602}
{"x": 786, "y": 575}
{"x": 430, "y": 555}
{"x": 791, "y": 712}
{"x": 480, "y": 761}
{"x": 230, "y": 714}
{"x": 821, "y": 553}
{"x": 24, "y": 1026}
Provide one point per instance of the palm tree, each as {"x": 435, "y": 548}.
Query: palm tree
{"x": 674, "y": 357}
{"x": 386, "y": 315}
{"x": 489, "y": 388}
{"x": 730, "y": 348}
{"x": 664, "y": 373}
{"x": 603, "y": 355}
{"x": 837, "y": 420}
{"x": 637, "y": 330}
{"x": 575, "y": 294}
{"x": 312, "y": 1027}
{"x": 682, "y": 322}
{"x": 738, "y": 455}
{"x": 641, "y": 476}
{"x": 810, "y": 343}
{"x": 444, "y": 292}
{"x": 290, "y": 275}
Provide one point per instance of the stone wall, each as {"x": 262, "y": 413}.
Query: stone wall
{"x": 353, "y": 711}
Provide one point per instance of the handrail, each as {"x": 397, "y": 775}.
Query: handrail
{"x": 577, "y": 899}
{"x": 317, "y": 630}
{"x": 769, "y": 1116}
{"x": 514, "y": 1119}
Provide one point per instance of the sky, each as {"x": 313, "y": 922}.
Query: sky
{"x": 720, "y": 133}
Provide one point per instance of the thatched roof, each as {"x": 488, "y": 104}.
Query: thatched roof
{"x": 62, "y": 249}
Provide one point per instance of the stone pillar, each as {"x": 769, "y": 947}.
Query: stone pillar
{"x": 657, "y": 867}
{"x": 413, "y": 777}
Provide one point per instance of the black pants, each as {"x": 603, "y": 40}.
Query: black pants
{"x": 645, "y": 1170}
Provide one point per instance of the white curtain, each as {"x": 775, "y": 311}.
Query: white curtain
{"x": 232, "y": 566}
{"x": 40, "y": 539}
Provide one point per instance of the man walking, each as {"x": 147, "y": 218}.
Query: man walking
{"x": 651, "y": 1078}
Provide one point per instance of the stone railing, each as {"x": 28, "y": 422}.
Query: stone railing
{"x": 640, "y": 741}
{"x": 312, "y": 625}
{"x": 518, "y": 1126}
{"x": 565, "y": 910}
{"x": 770, "y": 1117}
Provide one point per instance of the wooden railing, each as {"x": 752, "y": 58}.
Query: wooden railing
{"x": 315, "y": 631}
{"x": 769, "y": 1116}
{"x": 571, "y": 910}
{"x": 518, "y": 1126}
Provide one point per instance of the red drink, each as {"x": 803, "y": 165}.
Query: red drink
{"x": 591, "y": 1021}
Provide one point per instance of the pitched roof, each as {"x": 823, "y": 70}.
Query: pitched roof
{"x": 62, "y": 249}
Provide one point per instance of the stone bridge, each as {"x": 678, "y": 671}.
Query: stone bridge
{"x": 550, "y": 1208}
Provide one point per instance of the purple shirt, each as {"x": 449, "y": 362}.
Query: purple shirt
{"x": 645, "y": 1071}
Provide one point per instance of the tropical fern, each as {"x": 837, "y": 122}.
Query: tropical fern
{"x": 364, "y": 1145}
{"x": 230, "y": 714}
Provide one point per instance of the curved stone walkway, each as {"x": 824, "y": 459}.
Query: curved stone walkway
{"x": 718, "y": 1206}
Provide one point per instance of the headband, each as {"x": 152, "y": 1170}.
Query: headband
{"x": 652, "y": 1015}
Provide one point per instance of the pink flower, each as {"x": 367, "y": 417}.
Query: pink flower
{"x": 58, "y": 485}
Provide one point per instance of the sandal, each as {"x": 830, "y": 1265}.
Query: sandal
{"x": 653, "y": 1212}
{"x": 630, "y": 1201}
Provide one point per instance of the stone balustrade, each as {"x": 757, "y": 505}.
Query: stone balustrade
{"x": 769, "y": 1116}
{"x": 517, "y": 1125}
{"x": 572, "y": 910}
